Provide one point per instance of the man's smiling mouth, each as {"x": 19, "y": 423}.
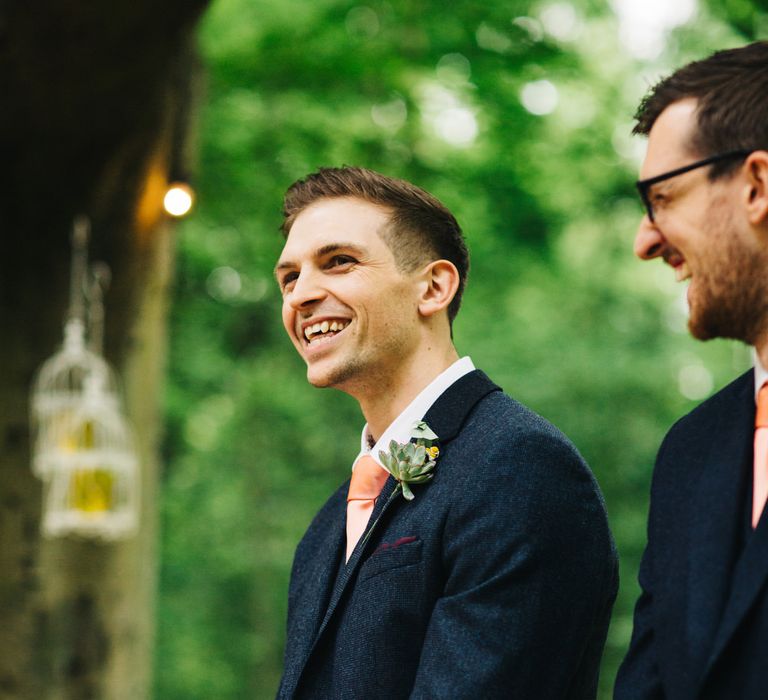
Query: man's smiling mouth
{"x": 679, "y": 265}
{"x": 682, "y": 272}
{"x": 323, "y": 330}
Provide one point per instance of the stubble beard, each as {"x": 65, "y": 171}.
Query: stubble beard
{"x": 361, "y": 373}
{"x": 337, "y": 376}
{"x": 731, "y": 297}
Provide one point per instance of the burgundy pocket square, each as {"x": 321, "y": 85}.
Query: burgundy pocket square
{"x": 384, "y": 546}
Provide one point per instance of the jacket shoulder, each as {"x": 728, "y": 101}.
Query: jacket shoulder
{"x": 713, "y": 407}
{"x": 499, "y": 425}
{"x": 686, "y": 443}
{"x": 506, "y": 448}
{"x": 512, "y": 471}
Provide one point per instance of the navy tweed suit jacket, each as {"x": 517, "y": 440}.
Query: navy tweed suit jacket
{"x": 701, "y": 622}
{"x": 497, "y": 581}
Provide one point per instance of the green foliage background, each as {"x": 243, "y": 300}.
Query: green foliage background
{"x": 557, "y": 310}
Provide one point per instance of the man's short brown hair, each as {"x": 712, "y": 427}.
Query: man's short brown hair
{"x": 420, "y": 227}
{"x": 732, "y": 91}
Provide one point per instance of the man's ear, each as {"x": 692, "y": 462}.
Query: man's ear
{"x": 438, "y": 285}
{"x": 756, "y": 196}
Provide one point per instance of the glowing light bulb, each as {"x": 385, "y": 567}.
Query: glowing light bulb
{"x": 178, "y": 199}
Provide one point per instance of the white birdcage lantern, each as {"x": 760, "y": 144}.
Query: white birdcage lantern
{"x": 58, "y": 392}
{"x": 92, "y": 489}
{"x": 82, "y": 443}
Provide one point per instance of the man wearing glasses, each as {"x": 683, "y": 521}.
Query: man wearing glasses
{"x": 701, "y": 622}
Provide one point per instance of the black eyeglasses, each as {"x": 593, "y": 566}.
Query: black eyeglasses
{"x": 643, "y": 186}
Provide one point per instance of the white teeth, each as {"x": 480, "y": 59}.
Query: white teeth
{"x": 682, "y": 272}
{"x": 322, "y": 328}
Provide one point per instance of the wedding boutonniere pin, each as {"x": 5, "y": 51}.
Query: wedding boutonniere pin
{"x": 412, "y": 462}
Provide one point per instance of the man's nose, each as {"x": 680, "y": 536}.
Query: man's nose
{"x": 306, "y": 291}
{"x": 649, "y": 241}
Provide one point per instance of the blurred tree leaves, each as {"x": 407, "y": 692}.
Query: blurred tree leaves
{"x": 454, "y": 98}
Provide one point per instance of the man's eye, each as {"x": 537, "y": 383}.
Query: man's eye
{"x": 287, "y": 281}
{"x": 341, "y": 260}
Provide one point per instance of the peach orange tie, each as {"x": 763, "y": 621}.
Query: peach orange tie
{"x": 367, "y": 481}
{"x": 760, "y": 484}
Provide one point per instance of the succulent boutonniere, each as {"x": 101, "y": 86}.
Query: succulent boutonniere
{"x": 412, "y": 462}
{"x": 409, "y": 463}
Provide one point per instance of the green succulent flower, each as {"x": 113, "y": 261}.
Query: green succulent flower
{"x": 412, "y": 462}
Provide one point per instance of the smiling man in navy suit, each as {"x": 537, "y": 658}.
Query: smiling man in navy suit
{"x": 486, "y": 568}
{"x": 701, "y": 623}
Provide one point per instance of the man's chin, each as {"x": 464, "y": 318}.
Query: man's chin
{"x": 700, "y": 330}
{"x": 323, "y": 377}
{"x": 342, "y": 376}
{"x": 318, "y": 379}
{"x": 704, "y": 321}
{"x": 718, "y": 325}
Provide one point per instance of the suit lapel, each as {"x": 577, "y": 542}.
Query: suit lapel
{"x": 328, "y": 561}
{"x": 751, "y": 570}
{"x": 448, "y": 413}
{"x": 383, "y": 504}
{"x": 317, "y": 578}
{"x": 749, "y": 578}
{"x": 715, "y": 516}
{"x": 445, "y": 417}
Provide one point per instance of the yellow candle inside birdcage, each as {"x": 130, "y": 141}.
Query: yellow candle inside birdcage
{"x": 90, "y": 490}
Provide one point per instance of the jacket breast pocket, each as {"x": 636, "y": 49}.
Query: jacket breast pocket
{"x": 391, "y": 557}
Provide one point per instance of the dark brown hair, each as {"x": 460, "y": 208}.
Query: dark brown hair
{"x": 420, "y": 227}
{"x": 732, "y": 91}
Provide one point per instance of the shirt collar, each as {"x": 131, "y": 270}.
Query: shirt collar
{"x": 761, "y": 374}
{"x": 400, "y": 428}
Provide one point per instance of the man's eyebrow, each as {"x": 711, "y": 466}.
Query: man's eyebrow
{"x": 333, "y": 247}
{"x": 322, "y": 251}
{"x": 284, "y": 265}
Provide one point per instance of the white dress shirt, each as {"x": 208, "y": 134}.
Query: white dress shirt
{"x": 400, "y": 428}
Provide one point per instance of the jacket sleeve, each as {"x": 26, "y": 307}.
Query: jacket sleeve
{"x": 530, "y": 580}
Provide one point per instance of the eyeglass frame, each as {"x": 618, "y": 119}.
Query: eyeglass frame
{"x": 643, "y": 186}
